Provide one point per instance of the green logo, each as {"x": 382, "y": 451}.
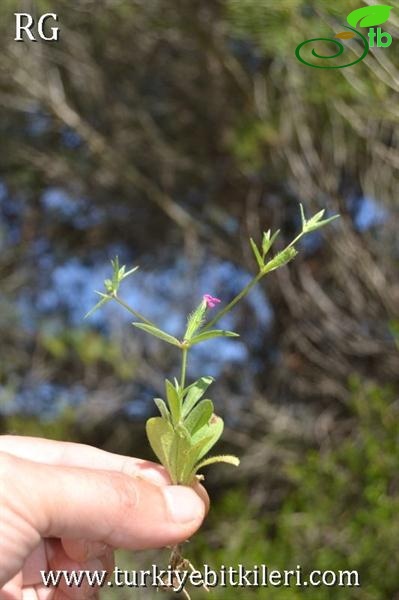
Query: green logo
{"x": 368, "y": 16}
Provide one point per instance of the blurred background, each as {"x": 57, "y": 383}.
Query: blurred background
{"x": 168, "y": 133}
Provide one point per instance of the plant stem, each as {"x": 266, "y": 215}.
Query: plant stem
{"x": 183, "y": 368}
{"x": 131, "y": 310}
{"x": 295, "y": 240}
{"x": 239, "y": 297}
{"x": 247, "y": 288}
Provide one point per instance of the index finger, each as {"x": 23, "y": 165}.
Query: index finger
{"x": 71, "y": 454}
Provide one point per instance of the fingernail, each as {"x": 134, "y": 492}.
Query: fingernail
{"x": 95, "y": 549}
{"x": 183, "y": 504}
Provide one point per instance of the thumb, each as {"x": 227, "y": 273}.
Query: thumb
{"x": 124, "y": 511}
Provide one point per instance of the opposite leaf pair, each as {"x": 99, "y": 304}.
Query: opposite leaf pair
{"x": 186, "y": 431}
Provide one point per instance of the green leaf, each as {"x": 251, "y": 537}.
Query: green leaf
{"x": 160, "y": 434}
{"x": 163, "y": 409}
{"x": 109, "y": 286}
{"x": 177, "y": 450}
{"x": 316, "y": 218}
{"x": 317, "y": 225}
{"x": 182, "y": 431}
{"x": 226, "y": 458}
{"x": 118, "y": 275}
{"x": 315, "y": 222}
{"x": 194, "y": 392}
{"x": 115, "y": 274}
{"x": 212, "y": 333}
{"x": 182, "y": 456}
{"x": 256, "y": 253}
{"x": 130, "y": 272}
{"x": 104, "y": 300}
{"x": 173, "y": 401}
{"x": 267, "y": 241}
{"x": 369, "y": 16}
{"x": 199, "y": 416}
{"x": 158, "y": 333}
{"x": 282, "y": 258}
{"x": 115, "y": 263}
{"x": 186, "y": 470}
{"x": 208, "y": 435}
{"x": 303, "y": 218}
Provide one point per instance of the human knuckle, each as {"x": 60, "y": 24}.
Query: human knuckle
{"x": 127, "y": 494}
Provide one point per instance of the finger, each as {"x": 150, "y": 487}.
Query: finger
{"x": 58, "y": 560}
{"x": 12, "y": 590}
{"x": 35, "y": 562}
{"x": 44, "y": 593}
{"x": 29, "y": 593}
{"x": 117, "y": 509}
{"x": 80, "y": 455}
{"x": 78, "y": 587}
{"x": 203, "y": 494}
{"x": 81, "y": 550}
{"x": 84, "y": 549}
{"x": 120, "y": 510}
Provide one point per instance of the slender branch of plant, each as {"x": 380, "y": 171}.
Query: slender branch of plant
{"x": 188, "y": 427}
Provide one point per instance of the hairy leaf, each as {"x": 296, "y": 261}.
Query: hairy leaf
{"x": 158, "y": 333}
{"x": 303, "y": 218}
{"x": 199, "y": 416}
{"x": 226, "y": 458}
{"x": 161, "y": 436}
{"x": 211, "y": 433}
{"x": 181, "y": 455}
{"x": 173, "y": 401}
{"x": 213, "y": 333}
{"x": 312, "y": 226}
{"x": 282, "y": 258}
{"x": 187, "y": 469}
{"x": 256, "y": 253}
{"x": 163, "y": 409}
{"x": 267, "y": 241}
{"x": 195, "y": 392}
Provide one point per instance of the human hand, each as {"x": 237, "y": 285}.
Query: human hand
{"x": 67, "y": 506}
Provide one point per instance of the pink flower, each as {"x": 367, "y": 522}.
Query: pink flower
{"x": 210, "y": 301}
